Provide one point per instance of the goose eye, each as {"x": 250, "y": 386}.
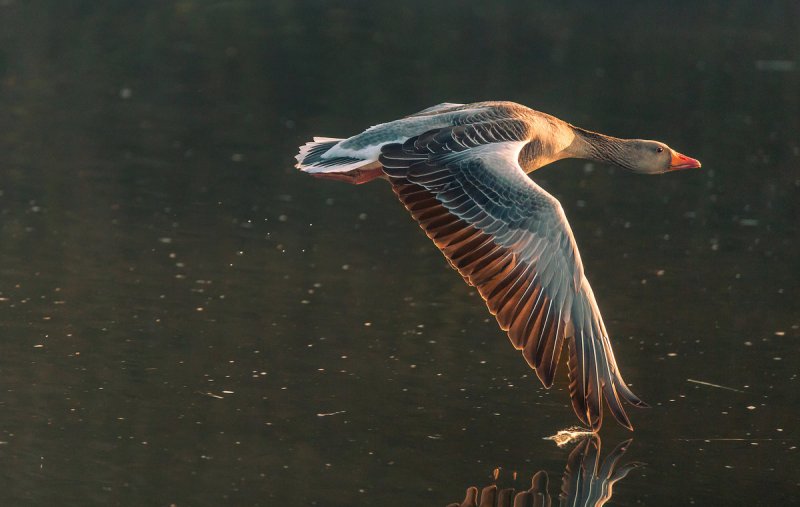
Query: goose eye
{"x": 659, "y": 149}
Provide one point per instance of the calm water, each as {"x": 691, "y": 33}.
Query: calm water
{"x": 187, "y": 320}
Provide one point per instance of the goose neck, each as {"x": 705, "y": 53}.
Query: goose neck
{"x": 600, "y": 148}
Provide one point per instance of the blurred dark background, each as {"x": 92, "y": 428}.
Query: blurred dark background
{"x": 187, "y": 320}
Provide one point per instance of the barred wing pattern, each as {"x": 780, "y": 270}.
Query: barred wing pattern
{"x": 510, "y": 239}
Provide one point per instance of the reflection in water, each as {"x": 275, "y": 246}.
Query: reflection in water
{"x": 587, "y": 482}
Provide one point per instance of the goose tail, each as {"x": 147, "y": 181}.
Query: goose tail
{"x": 320, "y": 159}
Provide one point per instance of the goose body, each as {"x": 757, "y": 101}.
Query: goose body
{"x": 461, "y": 171}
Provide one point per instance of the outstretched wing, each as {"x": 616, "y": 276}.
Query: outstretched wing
{"x": 510, "y": 239}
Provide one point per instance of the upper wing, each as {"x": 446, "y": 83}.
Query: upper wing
{"x": 438, "y": 108}
{"x": 510, "y": 239}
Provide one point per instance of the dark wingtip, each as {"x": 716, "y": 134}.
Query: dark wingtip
{"x": 596, "y": 423}
{"x": 547, "y": 380}
{"x": 626, "y": 423}
{"x": 628, "y": 395}
{"x": 635, "y": 401}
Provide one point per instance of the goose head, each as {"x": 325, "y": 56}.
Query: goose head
{"x": 654, "y": 157}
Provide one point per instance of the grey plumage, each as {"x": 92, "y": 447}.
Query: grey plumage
{"x": 471, "y": 171}
{"x": 460, "y": 170}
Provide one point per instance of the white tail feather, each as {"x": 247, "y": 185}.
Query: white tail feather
{"x": 314, "y": 157}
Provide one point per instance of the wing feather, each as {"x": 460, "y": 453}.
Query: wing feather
{"x": 510, "y": 239}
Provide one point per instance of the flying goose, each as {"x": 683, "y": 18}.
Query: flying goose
{"x": 461, "y": 171}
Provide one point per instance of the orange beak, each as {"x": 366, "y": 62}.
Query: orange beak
{"x": 682, "y": 162}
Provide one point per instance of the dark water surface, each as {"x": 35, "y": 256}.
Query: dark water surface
{"x": 187, "y": 320}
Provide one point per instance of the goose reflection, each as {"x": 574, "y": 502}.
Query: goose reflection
{"x": 587, "y": 481}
